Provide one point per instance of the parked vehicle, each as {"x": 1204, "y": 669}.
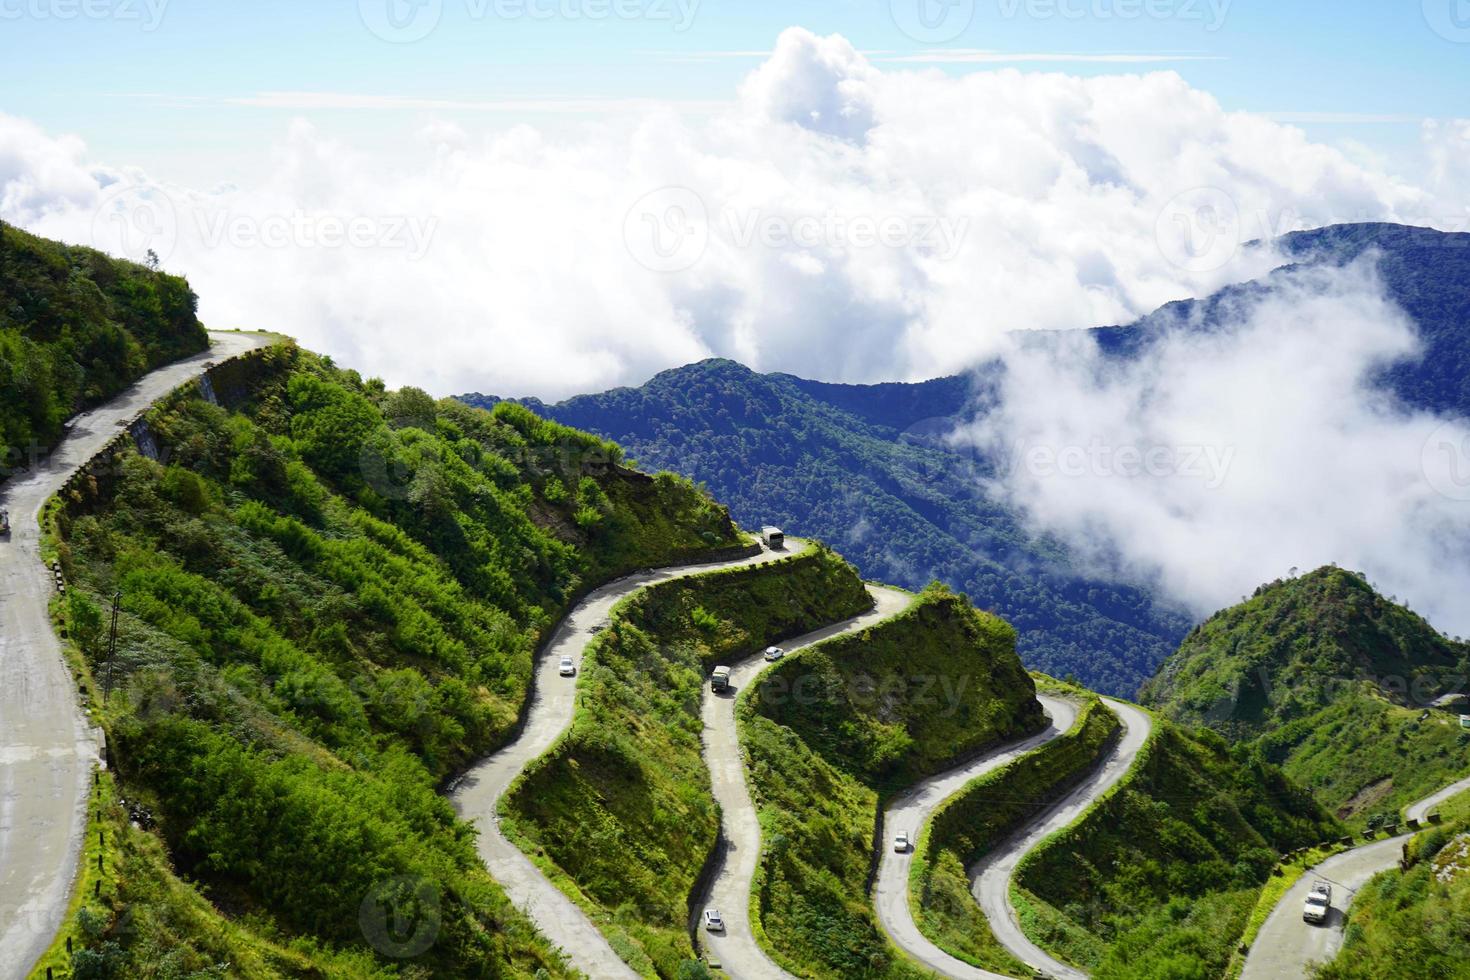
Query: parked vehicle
{"x": 774, "y": 653}
{"x": 773, "y": 538}
{"x": 901, "y": 841}
{"x": 567, "y": 668}
{"x": 712, "y": 920}
{"x": 1319, "y": 903}
{"x": 720, "y": 679}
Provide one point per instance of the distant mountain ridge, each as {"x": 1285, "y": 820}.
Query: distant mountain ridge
{"x": 861, "y": 465}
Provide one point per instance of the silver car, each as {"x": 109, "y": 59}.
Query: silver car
{"x": 568, "y": 668}
{"x": 712, "y": 920}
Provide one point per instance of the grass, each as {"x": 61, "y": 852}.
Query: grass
{"x": 620, "y": 809}
{"x": 829, "y": 732}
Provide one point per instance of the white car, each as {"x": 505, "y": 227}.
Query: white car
{"x": 567, "y": 668}
{"x": 774, "y": 654}
{"x": 1319, "y": 903}
{"x": 712, "y": 920}
{"x": 901, "y": 841}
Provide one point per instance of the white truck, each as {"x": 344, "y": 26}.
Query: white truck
{"x": 720, "y": 679}
{"x": 773, "y": 537}
{"x": 1319, "y": 903}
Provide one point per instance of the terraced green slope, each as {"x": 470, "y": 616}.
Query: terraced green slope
{"x": 1331, "y": 681}
{"x": 330, "y": 598}
{"x": 621, "y": 810}
{"x": 833, "y": 729}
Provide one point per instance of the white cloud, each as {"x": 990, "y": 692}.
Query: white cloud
{"x": 494, "y": 258}
{"x": 1223, "y": 458}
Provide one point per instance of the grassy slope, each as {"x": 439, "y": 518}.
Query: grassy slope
{"x": 980, "y": 816}
{"x": 1157, "y": 879}
{"x": 621, "y": 806}
{"x": 77, "y": 327}
{"x": 830, "y": 730}
{"x": 1329, "y": 680}
{"x": 324, "y": 615}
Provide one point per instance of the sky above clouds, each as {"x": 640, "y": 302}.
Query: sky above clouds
{"x": 447, "y": 196}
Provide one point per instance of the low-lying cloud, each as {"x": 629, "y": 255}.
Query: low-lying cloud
{"x": 834, "y": 220}
{"x": 1222, "y": 458}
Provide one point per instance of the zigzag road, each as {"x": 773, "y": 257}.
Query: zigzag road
{"x": 735, "y": 950}
{"x": 47, "y": 746}
{"x": 990, "y": 878}
{"x": 553, "y": 702}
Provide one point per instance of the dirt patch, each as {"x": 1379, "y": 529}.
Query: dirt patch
{"x": 1366, "y": 798}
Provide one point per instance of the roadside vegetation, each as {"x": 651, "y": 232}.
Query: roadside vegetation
{"x": 1326, "y": 678}
{"x": 330, "y": 595}
{"x": 983, "y": 814}
{"x": 620, "y": 811}
{"x": 1158, "y": 877}
{"x": 831, "y": 731}
{"x": 77, "y": 327}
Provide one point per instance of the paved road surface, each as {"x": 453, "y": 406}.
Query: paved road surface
{"x": 1286, "y": 943}
{"x": 990, "y": 878}
{"x": 553, "y": 701}
{"x": 735, "y": 950}
{"x": 47, "y": 746}
{"x": 911, "y": 811}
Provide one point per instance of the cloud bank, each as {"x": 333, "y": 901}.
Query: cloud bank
{"x": 835, "y": 220}
{"x": 1222, "y": 459}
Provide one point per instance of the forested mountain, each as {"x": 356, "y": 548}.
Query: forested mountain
{"x": 76, "y": 327}
{"x": 863, "y": 467}
{"x": 1333, "y": 682}
{"x": 858, "y": 467}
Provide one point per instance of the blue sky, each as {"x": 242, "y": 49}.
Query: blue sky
{"x": 174, "y": 86}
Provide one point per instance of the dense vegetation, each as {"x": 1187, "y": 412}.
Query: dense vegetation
{"x": 77, "y": 327}
{"x": 973, "y": 821}
{"x": 1419, "y": 915}
{"x": 1330, "y": 680}
{"x": 325, "y": 614}
{"x": 864, "y": 468}
{"x": 830, "y": 730}
{"x": 1157, "y": 879}
{"x": 622, "y": 806}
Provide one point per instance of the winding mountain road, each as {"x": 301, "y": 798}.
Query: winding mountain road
{"x": 990, "y": 878}
{"x": 1286, "y": 944}
{"x": 553, "y": 702}
{"x": 735, "y": 950}
{"x": 911, "y": 811}
{"x": 47, "y": 745}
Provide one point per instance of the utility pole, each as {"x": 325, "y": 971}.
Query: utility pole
{"x": 111, "y": 646}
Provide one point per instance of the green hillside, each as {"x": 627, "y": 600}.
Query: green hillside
{"x": 621, "y": 808}
{"x": 1158, "y": 878}
{"x": 77, "y": 327}
{"x": 325, "y": 614}
{"x": 1333, "y": 682}
{"x": 831, "y": 730}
